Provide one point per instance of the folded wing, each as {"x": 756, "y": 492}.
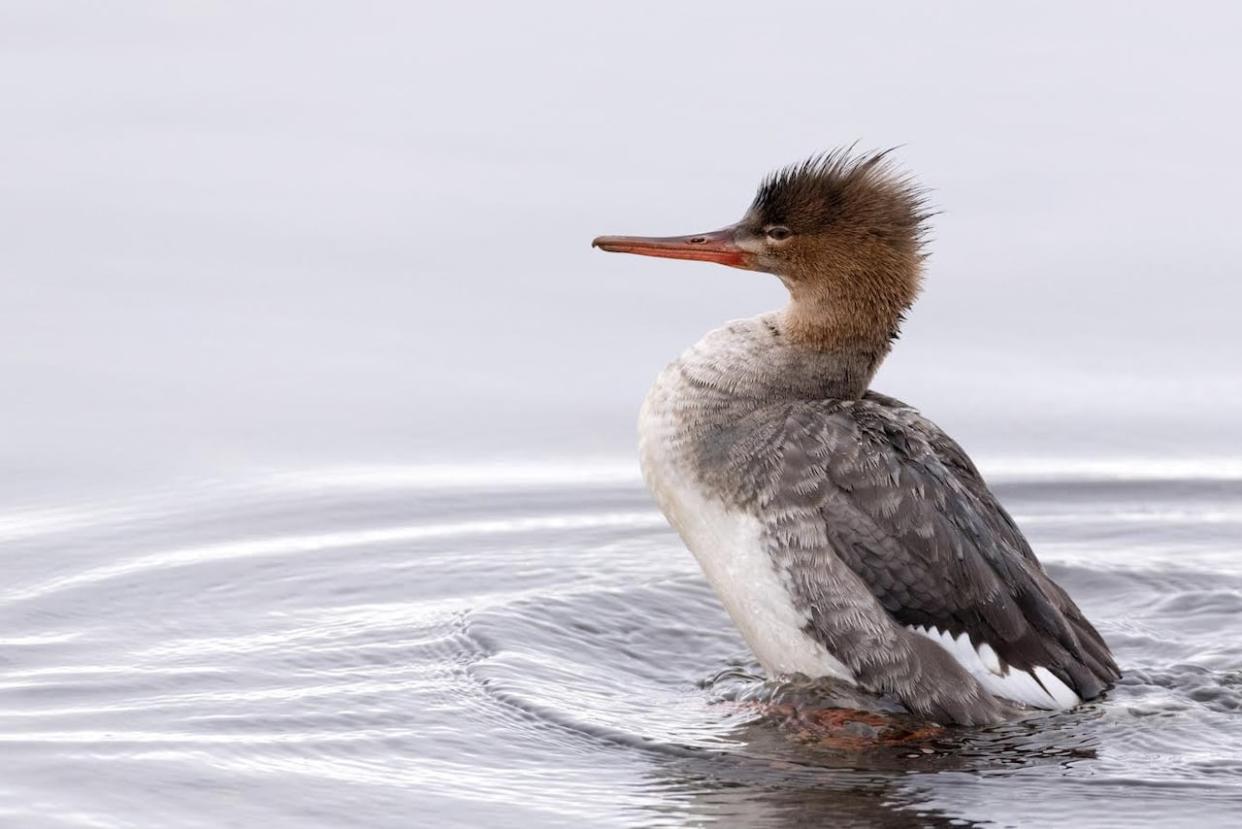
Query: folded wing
{"x": 872, "y": 485}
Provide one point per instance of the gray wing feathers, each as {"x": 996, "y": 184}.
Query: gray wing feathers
{"x": 878, "y": 517}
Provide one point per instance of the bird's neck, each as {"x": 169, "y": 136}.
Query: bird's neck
{"x": 851, "y": 333}
{"x": 816, "y": 318}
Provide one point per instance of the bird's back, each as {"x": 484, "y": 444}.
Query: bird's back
{"x": 848, "y": 536}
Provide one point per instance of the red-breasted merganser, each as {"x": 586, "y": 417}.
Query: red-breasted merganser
{"x": 846, "y": 534}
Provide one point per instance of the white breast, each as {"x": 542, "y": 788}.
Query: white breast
{"x": 728, "y": 547}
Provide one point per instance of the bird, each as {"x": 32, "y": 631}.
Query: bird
{"x": 847, "y": 536}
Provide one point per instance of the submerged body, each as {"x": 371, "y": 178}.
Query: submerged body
{"x": 846, "y": 535}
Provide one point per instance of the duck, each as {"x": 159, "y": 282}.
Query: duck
{"x": 847, "y": 536}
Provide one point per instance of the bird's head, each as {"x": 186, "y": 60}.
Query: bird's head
{"x": 843, "y": 233}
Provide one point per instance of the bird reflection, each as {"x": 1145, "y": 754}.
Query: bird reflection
{"x": 797, "y": 762}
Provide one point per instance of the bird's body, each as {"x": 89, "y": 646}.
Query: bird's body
{"x": 846, "y": 535}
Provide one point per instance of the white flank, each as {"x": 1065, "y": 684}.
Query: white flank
{"x": 730, "y": 551}
{"x": 729, "y": 548}
{"x": 1020, "y": 686}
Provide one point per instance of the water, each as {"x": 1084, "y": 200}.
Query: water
{"x": 486, "y": 646}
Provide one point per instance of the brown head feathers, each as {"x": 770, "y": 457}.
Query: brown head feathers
{"x": 846, "y": 234}
{"x": 865, "y": 193}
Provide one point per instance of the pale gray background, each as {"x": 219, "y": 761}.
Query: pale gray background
{"x": 292, "y": 233}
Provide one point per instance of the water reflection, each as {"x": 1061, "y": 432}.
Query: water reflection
{"x": 794, "y": 766}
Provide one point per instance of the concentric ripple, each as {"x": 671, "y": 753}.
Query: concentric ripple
{"x": 532, "y": 646}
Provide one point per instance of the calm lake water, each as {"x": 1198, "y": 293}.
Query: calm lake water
{"x": 532, "y": 646}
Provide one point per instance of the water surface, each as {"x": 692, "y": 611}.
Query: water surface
{"x": 474, "y": 646}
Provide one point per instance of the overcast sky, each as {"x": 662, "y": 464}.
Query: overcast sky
{"x": 293, "y": 232}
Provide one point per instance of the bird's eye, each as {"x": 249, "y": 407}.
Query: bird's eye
{"x": 778, "y": 233}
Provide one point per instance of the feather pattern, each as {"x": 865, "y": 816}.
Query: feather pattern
{"x": 899, "y": 559}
